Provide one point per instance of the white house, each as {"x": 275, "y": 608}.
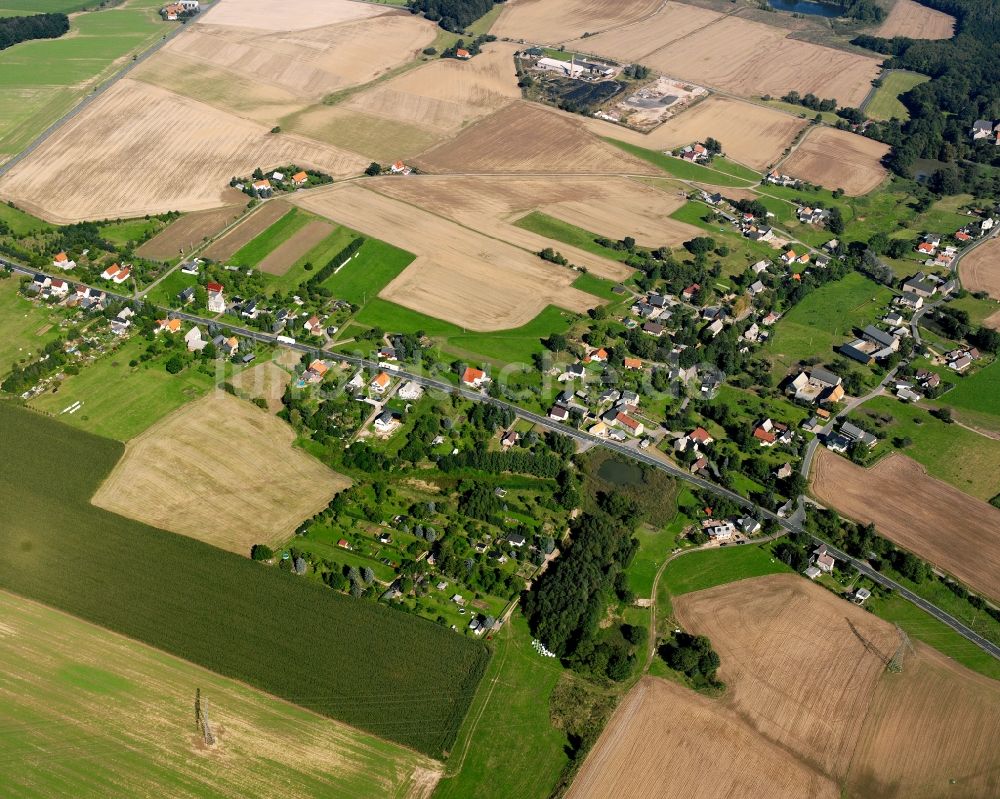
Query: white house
{"x": 216, "y": 300}
{"x": 194, "y": 341}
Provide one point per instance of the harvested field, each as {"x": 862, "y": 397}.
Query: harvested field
{"x": 109, "y": 716}
{"x": 837, "y": 159}
{"x": 915, "y": 21}
{"x": 256, "y": 223}
{"x": 293, "y": 15}
{"x": 553, "y": 21}
{"x": 665, "y": 741}
{"x": 752, "y": 59}
{"x": 456, "y": 268}
{"x": 993, "y": 321}
{"x": 278, "y": 261}
{"x": 751, "y": 134}
{"x": 528, "y": 138}
{"x": 612, "y": 207}
{"x": 266, "y": 381}
{"x": 222, "y": 471}
{"x": 179, "y": 155}
{"x": 937, "y": 528}
{"x": 980, "y": 270}
{"x": 189, "y": 231}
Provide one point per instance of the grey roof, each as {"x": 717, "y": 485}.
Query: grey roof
{"x": 879, "y": 336}
{"x": 822, "y": 375}
{"x": 851, "y": 351}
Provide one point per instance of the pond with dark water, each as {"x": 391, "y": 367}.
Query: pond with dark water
{"x": 807, "y": 7}
{"x": 621, "y": 473}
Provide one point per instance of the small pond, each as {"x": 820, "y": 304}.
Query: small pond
{"x": 807, "y": 7}
{"x": 621, "y": 473}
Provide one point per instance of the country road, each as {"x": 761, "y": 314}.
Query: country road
{"x": 789, "y": 525}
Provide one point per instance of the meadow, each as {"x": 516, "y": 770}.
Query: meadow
{"x": 978, "y": 397}
{"x": 556, "y": 229}
{"x": 885, "y": 102}
{"x": 388, "y": 673}
{"x": 711, "y": 567}
{"x": 24, "y": 326}
{"x": 721, "y": 173}
{"x": 254, "y": 251}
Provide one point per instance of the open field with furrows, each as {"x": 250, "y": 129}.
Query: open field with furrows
{"x": 42, "y": 79}
{"x": 666, "y": 740}
{"x": 916, "y": 511}
{"x": 797, "y": 671}
{"x": 553, "y": 21}
{"x": 611, "y": 207}
{"x": 95, "y": 714}
{"x": 980, "y": 269}
{"x": 915, "y": 21}
{"x": 191, "y": 230}
{"x": 220, "y": 470}
{"x": 750, "y": 134}
{"x": 139, "y": 149}
{"x": 526, "y": 138}
{"x": 246, "y": 231}
{"x": 752, "y": 59}
{"x": 294, "y": 15}
{"x": 837, "y": 159}
{"x": 388, "y": 673}
{"x": 459, "y": 275}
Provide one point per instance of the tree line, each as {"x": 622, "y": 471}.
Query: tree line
{"x": 14, "y": 30}
{"x": 452, "y": 15}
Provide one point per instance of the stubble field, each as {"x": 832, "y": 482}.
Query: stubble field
{"x": 190, "y": 230}
{"x": 96, "y": 714}
{"x": 457, "y": 271}
{"x": 836, "y": 159}
{"x": 292, "y": 15}
{"x": 246, "y": 231}
{"x": 937, "y": 526}
{"x": 140, "y": 149}
{"x": 553, "y": 21}
{"x": 220, "y": 470}
{"x": 915, "y": 21}
{"x": 980, "y": 269}
{"x": 282, "y": 257}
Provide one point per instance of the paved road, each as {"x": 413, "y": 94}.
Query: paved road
{"x": 633, "y": 452}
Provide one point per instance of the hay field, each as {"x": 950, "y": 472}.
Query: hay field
{"x": 750, "y": 134}
{"x": 751, "y": 59}
{"x": 222, "y": 471}
{"x": 526, "y": 138}
{"x": 189, "y": 231}
{"x": 278, "y": 261}
{"x": 915, "y": 21}
{"x": 292, "y": 15}
{"x": 460, "y": 275}
{"x": 140, "y": 149}
{"x": 553, "y": 21}
{"x": 90, "y": 713}
{"x": 937, "y": 527}
{"x": 613, "y": 207}
{"x": 259, "y": 220}
{"x": 837, "y": 159}
{"x": 665, "y": 741}
{"x": 980, "y": 269}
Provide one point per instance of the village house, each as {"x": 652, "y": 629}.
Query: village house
{"x": 719, "y": 530}
{"x": 110, "y": 272}
{"x": 58, "y": 288}
{"x": 574, "y": 371}
{"x": 873, "y": 345}
{"x": 688, "y": 294}
{"x": 262, "y": 188}
{"x": 386, "y": 422}
{"x": 654, "y": 329}
{"x": 509, "y": 439}
{"x": 909, "y": 300}
{"x": 850, "y": 434}
{"x": 379, "y": 383}
{"x": 399, "y": 168}
{"x": 299, "y": 179}
{"x": 634, "y": 426}
{"x": 474, "y": 378}
{"x": 633, "y": 363}
{"x": 559, "y": 413}
{"x": 316, "y": 372}
{"x": 63, "y": 261}
{"x": 823, "y": 559}
{"x": 410, "y": 391}
{"x": 981, "y": 129}
{"x": 597, "y": 356}
{"x": 216, "y": 300}
{"x": 194, "y": 341}
{"x": 313, "y": 326}
{"x": 816, "y": 385}
{"x": 168, "y": 325}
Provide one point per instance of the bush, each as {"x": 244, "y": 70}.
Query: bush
{"x": 175, "y": 364}
{"x": 261, "y": 552}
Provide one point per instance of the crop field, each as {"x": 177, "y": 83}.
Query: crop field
{"x": 936, "y": 526}
{"x": 24, "y": 327}
{"x": 386, "y": 672}
{"x": 666, "y": 740}
{"x": 822, "y": 319}
{"x": 453, "y": 264}
{"x": 120, "y": 401}
{"x": 188, "y": 232}
{"x": 751, "y": 134}
{"x": 980, "y": 269}
{"x": 797, "y": 671}
{"x": 42, "y": 79}
{"x": 837, "y": 159}
{"x": 885, "y": 102}
{"x": 294, "y": 15}
{"x": 109, "y": 716}
{"x": 554, "y": 21}
{"x": 220, "y": 470}
{"x": 255, "y": 225}
{"x": 180, "y": 155}
{"x": 916, "y": 21}
{"x": 528, "y": 138}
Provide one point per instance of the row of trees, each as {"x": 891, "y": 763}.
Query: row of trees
{"x": 452, "y": 15}
{"x": 14, "y": 30}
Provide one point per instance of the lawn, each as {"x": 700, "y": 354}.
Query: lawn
{"x": 120, "y": 401}
{"x": 689, "y": 171}
{"x": 508, "y": 724}
{"x": 20, "y": 222}
{"x": 558, "y": 230}
{"x": 24, "y": 326}
{"x": 255, "y": 250}
{"x": 132, "y": 724}
{"x": 383, "y": 671}
{"x": 598, "y": 286}
{"x": 979, "y": 393}
{"x": 122, "y": 233}
{"x": 655, "y": 544}
{"x": 824, "y": 319}
{"x": 885, "y": 102}
{"x": 711, "y": 567}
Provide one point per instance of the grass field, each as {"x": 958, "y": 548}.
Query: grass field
{"x": 253, "y": 252}
{"x": 120, "y": 401}
{"x": 558, "y": 230}
{"x": 806, "y": 113}
{"x": 370, "y": 271}
{"x": 885, "y": 102}
{"x": 42, "y": 79}
{"x": 20, "y": 222}
{"x": 318, "y": 256}
{"x": 130, "y": 229}
{"x": 712, "y": 567}
{"x": 978, "y": 394}
{"x": 824, "y": 319}
{"x": 24, "y": 327}
{"x": 725, "y": 173}
{"x": 598, "y": 286}
{"x": 391, "y": 674}
{"x": 94, "y": 714}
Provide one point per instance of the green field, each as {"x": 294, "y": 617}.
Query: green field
{"x": 131, "y": 708}
{"x": 727, "y": 173}
{"x": 711, "y": 567}
{"x": 318, "y": 256}
{"x": 370, "y": 271}
{"x": 255, "y": 250}
{"x": 122, "y": 233}
{"x": 24, "y": 326}
{"x": 800, "y": 110}
{"x": 885, "y": 102}
{"x": 20, "y": 222}
{"x": 558, "y": 230}
{"x": 977, "y": 396}
{"x": 598, "y": 286}
{"x": 384, "y": 671}
{"x": 120, "y": 401}
{"x": 824, "y": 320}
